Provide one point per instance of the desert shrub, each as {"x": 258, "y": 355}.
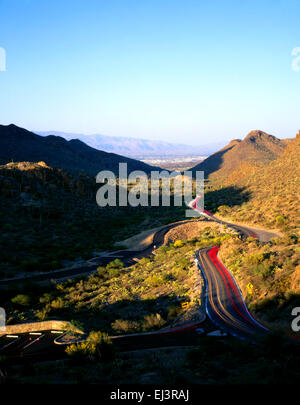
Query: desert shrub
{"x": 58, "y": 303}
{"x": 22, "y": 300}
{"x": 45, "y": 298}
{"x": 144, "y": 261}
{"x": 279, "y": 220}
{"x": 154, "y": 280}
{"x": 255, "y": 259}
{"x": 95, "y": 347}
{"x": 163, "y": 249}
{"x": 183, "y": 263}
{"x": 223, "y": 209}
{"x": 294, "y": 238}
{"x": 75, "y": 324}
{"x": 43, "y": 313}
{"x": 113, "y": 272}
{"x": 60, "y": 287}
{"x": 178, "y": 243}
{"x": 125, "y": 326}
{"x": 115, "y": 264}
{"x": 174, "y": 311}
{"x": 153, "y": 321}
{"x": 168, "y": 277}
{"x": 264, "y": 270}
{"x": 102, "y": 272}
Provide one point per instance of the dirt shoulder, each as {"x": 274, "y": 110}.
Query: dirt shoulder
{"x": 144, "y": 239}
{"x": 263, "y": 234}
{"x": 140, "y": 241}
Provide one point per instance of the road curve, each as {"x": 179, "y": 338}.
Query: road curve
{"x": 127, "y": 256}
{"x": 224, "y": 302}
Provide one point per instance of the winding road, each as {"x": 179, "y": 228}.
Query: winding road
{"x": 128, "y": 257}
{"x": 224, "y": 302}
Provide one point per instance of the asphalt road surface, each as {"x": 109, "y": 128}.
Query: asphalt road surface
{"x": 225, "y": 305}
{"x": 31, "y": 345}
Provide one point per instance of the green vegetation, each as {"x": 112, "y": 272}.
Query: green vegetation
{"x": 178, "y": 243}
{"x": 272, "y": 269}
{"x": 21, "y": 300}
{"x": 118, "y": 300}
{"x": 49, "y": 219}
{"x": 97, "y": 346}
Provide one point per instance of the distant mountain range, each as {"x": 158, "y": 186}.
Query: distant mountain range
{"x": 257, "y": 149}
{"x": 136, "y": 148}
{"x": 18, "y": 144}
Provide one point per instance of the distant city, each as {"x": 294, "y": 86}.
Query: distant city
{"x": 180, "y": 163}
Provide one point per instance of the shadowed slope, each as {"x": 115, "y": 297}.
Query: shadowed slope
{"x": 257, "y": 149}
{"x": 18, "y": 144}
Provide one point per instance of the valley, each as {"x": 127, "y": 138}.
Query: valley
{"x": 160, "y": 289}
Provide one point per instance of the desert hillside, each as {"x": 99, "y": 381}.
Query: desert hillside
{"x": 268, "y": 273}
{"x": 257, "y": 149}
{"x": 49, "y": 219}
{"x": 274, "y": 189}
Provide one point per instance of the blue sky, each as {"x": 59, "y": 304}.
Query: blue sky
{"x": 182, "y": 71}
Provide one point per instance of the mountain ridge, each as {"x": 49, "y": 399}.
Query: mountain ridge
{"x": 134, "y": 147}
{"x": 19, "y": 144}
{"x": 257, "y": 149}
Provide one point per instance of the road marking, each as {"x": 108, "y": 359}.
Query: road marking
{"x": 34, "y": 341}
{"x": 10, "y": 343}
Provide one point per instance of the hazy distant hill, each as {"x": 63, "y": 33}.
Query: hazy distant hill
{"x": 18, "y": 144}
{"x": 257, "y": 148}
{"x": 133, "y": 147}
